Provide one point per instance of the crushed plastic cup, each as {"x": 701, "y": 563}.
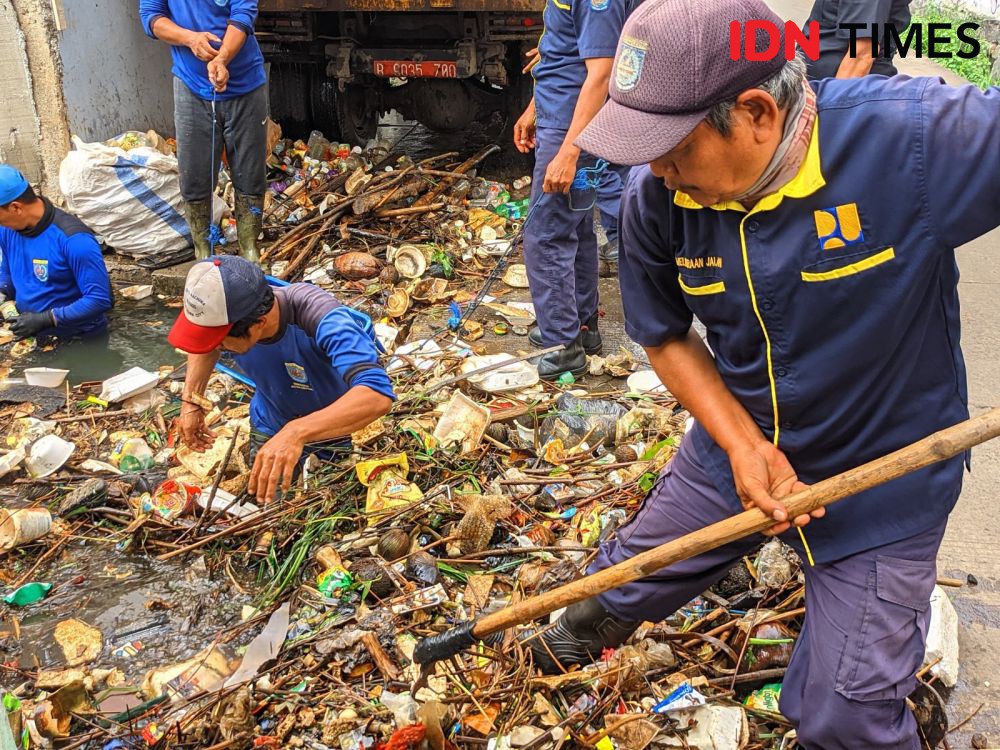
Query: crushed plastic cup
{"x": 11, "y": 460}
{"x": 19, "y": 527}
{"x": 27, "y": 594}
{"x": 48, "y": 454}
{"x": 171, "y": 499}
{"x": 132, "y": 455}
{"x": 645, "y": 381}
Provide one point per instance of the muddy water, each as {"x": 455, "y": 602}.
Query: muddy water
{"x": 137, "y": 336}
{"x": 150, "y": 614}
{"x": 167, "y": 611}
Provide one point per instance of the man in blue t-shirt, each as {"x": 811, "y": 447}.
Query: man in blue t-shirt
{"x": 51, "y": 265}
{"x": 220, "y": 99}
{"x": 560, "y": 247}
{"x": 314, "y": 362}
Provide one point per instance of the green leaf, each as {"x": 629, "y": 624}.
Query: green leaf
{"x": 646, "y": 481}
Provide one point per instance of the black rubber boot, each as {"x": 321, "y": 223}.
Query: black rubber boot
{"x": 571, "y": 359}
{"x": 579, "y": 636}
{"x": 249, "y": 217}
{"x": 590, "y": 335}
{"x": 199, "y": 218}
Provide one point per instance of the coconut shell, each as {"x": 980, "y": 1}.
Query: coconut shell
{"x": 394, "y": 544}
{"x": 422, "y": 568}
{"x": 410, "y": 262}
{"x": 357, "y": 265}
{"x": 389, "y": 276}
{"x": 397, "y": 304}
{"x": 373, "y": 569}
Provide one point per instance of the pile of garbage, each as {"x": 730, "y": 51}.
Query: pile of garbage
{"x": 465, "y": 499}
{"x": 150, "y": 602}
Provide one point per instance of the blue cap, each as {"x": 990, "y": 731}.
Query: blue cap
{"x": 12, "y": 184}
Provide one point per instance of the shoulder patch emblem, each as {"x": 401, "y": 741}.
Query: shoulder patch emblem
{"x": 600, "y": 4}
{"x": 41, "y": 268}
{"x": 296, "y": 372}
{"x": 628, "y": 69}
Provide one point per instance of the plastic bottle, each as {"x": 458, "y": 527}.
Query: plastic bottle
{"x": 229, "y": 232}
{"x": 134, "y": 455}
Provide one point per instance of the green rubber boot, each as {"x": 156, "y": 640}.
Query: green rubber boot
{"x": 199, "y": 218}
{"x": 249, "y": 219}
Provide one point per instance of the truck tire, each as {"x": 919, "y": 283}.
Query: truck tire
{"x": 357, "y": 114}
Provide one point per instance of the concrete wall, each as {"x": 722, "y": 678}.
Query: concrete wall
{"x": 115, "y": 78}
{"x": 18, "y": 118}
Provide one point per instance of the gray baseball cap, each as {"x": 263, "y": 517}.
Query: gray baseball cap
{"x": 673, "y": 65}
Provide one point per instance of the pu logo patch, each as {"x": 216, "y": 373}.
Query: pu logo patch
{"x": 600, "y": 4}
{"x": 630, "y": 62}
{"x": 41, "y": 270}
{"x": 838, "y": 226}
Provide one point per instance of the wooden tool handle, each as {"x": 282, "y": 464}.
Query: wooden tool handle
{"x": 937, "y": 447}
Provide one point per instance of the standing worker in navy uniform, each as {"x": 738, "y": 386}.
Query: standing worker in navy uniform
{"x": 835, "y": 57}
{"x": 577, "y": 49}
{"x": 314, "y": 362}
{"x": 832, "y": 317}
{"x": 220, "y": 99}
{"x": 51, "y": 265}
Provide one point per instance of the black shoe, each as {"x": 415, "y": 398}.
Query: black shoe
{"x": 571, "y": 359}
{"x": 579, "y": 636}
{"x": 535, "y": 338}
{"x": 590, "y": 336}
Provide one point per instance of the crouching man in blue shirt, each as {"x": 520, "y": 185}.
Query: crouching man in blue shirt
{"x": 314, "y": 362}
{"x": 51, "y": 266}
{"x": 812, "y": 228}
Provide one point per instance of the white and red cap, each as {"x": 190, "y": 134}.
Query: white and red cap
{"x": 217, "y": 292}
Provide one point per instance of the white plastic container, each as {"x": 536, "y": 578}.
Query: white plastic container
{"x": 47, "y": 455}
{"x": 19, "y": 527}
{"x": 47, "y": 377}
{"x": 645, "y": 381}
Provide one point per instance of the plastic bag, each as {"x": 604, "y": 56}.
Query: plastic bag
{"x": 131, "y": 198}
{"x": 574, "y": 420}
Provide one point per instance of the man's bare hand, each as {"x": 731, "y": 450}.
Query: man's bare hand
{"x": 561, "y": 172}
{"x": 218, "y": 74}
{"x": 524, "y": 130}
{"x": 763, "y": 476}
{"x": 531, "y": 58}
{"x": 274, "y": 465}
{"x": 194, "y": 432}
{"x": 200, "y": 43}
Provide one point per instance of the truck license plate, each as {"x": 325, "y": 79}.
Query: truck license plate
{"x": 412, "y": 69}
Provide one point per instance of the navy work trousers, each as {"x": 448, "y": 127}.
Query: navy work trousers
{"x": 854, "y": 662}
{"x": 560, "y": 247}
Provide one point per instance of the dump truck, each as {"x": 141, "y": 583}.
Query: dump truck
{"x": 338, "y": 65}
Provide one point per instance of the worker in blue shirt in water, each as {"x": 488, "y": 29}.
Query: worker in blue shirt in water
{"x": 314, "y": 362}
{"x": 51, "y": 265}
{"x": 560, "y": 246}
{"x": 812, "y": 228}
{"x": 220, "y": 99}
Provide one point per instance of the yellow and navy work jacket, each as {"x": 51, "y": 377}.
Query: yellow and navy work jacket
{"x": 832, "y": 305}
{"x": 575, "y": 31}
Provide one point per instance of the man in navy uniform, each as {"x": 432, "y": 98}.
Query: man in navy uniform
{"x": 829, "y": 293}
{"x": 51, "y": 265}
{"x": 560, "y": 247}
{"x": 314, "y": 362}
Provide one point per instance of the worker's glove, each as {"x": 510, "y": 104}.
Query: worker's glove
{"x": 29, "y": 323}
